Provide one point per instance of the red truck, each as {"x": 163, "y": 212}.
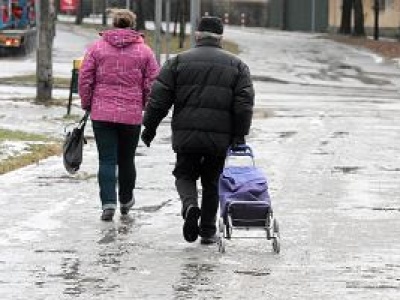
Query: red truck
{"x": 18, "y": 31}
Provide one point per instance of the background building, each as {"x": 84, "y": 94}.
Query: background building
{"x": 299, "y": 15}
{"x": 389, "y": 16}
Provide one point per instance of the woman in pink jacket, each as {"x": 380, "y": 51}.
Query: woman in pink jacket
{"x": 114, "y": 82}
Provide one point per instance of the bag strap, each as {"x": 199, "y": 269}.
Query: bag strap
{"x": 82, "y": 122}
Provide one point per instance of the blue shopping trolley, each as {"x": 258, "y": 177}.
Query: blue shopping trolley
{"x": 244, "y": 199}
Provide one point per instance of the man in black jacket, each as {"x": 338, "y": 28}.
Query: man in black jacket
{"x": 212, "y": 96}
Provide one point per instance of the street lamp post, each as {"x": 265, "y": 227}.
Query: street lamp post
{"x": 376, "y": 20}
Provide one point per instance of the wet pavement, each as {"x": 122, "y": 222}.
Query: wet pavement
{"x": 325, "y": 132}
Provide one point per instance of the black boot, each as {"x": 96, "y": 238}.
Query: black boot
{"x": 126, "y": 207}
{"x": 191, "y": 224}
{"x": 107, "y": 214}
{"x": 188, "y": 194}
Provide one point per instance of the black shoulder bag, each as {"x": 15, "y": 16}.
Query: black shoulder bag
{"x": 73, "y": 146}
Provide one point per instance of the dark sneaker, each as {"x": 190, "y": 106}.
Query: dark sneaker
{"x": 107, "y": 214}
{"x": 125, "y": 208}
{"x": 191, "y": 224}
{"x": 208, "y": 240}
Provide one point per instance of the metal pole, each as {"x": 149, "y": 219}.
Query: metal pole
{"x": 167, "y": 21}
{"x": 157, "y": 39}
{"x": 313, "y": 16}
{"x": 376, "y": 20}
{"x": 104, "y": 10}
{"x": 194, "y": 17}
{"x": 37, "y": 12}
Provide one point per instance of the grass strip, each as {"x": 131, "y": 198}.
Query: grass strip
{"x": 30, "y": 80}
{"x": 34, "y": 154}
{"x": 17, "y": 135}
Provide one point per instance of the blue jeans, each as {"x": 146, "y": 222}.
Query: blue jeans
{"x": 116, "y": 145}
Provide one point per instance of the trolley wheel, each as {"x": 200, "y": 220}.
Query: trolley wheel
{"x": 221, "y": 245}
{"x": 276, "y": 244}
{"x": 228, "y": 228}
{"x": 276, "y": 239}
{"x": 275, "y": 227}
{"x": 268, "y": 227}
{"x": 221, "y": 226}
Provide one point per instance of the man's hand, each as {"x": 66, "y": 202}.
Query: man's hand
{"x": 148, "y": 136}
{"x": 237, "y": 141}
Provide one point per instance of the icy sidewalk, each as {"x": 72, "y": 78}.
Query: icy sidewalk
{"x": 328, "y": 146}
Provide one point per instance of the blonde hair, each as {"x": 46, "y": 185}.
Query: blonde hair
{"x": 123, "y": 18}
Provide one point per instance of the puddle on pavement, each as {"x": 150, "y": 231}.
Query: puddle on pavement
{"x": 374, "y": 277}
{"x": 253, "y": 272}
{"x": 264, "y": 78}
{"x": 286, "y": 134}
{"x": 346, "y": 170}
{"x": 195, "y": 279}
{"x": 82, "y": 176}
{"x": 390, "y": 169}
{"x": 395, "y": 209}
{"x": 165, "y": 140}
{"x": 337, "y": 134}
{"x": 338, "y": 72}
{"x": 67, "y": 251}
{"x": 69, "y": 275}
{"x": 108, "y": 236}
{"x": 262, "y": 113}
{"x": 323, "y": 143}
{"x": 124, "y": 227}
{"x": 153, "y": 208}
{"x": 374, "y": 208}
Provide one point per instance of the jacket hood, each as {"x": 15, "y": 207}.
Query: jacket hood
{"x": 121, "y": 38}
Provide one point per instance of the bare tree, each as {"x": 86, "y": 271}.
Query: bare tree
{"x": 141, "y": 19}
{"x": 79, "y": 13}
{"x": 345, "y": 24}
{"x": 44, "y": 57}
{"x": 376, "y": 19}
{"x": 359, "y": 29}
{"x": 182, "y": 27}
{"x": 348, "y": 8}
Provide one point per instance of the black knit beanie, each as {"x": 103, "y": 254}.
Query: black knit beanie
{"x": 211, "y": 24}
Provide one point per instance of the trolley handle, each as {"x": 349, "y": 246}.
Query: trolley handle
{"x": 240, "y": 150}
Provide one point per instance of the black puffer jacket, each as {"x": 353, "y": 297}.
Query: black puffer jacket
{"x": 212, "y": 95}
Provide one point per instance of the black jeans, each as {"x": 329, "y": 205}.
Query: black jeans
{"x": 188, "y": 169}
{"x": 116, "y": 146}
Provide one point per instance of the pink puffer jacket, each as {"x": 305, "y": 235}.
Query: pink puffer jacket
{"x": 116, "y": 76}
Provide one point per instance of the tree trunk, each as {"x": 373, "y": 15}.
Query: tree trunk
{"x": 140, "y": 16}
{"x": 284, "y": 15}
{"x": 176, "y": 17}
{"x": 376, "y": 20}
{"x": 104, "y": 12}
{"x": 347, "y": 9}
{"x": 79, "y": 13}
{"x": 44, "y": 61}
{"x": 182, "y": 28}
{"x": 359, "y": 29}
